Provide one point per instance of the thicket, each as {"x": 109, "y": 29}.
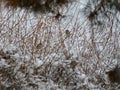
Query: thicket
{"x": 72, "y": 53}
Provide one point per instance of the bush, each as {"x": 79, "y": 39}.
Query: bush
{"x": 37, "y": 5}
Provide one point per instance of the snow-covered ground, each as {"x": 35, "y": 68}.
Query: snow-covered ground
{"x": 38, "y": 52}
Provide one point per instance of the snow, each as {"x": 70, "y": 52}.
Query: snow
{"x": 16, "y": 56}
{"x": 38, "y": 62}
{"x": 51, "y": 66}
{"x": 2, "y": 63}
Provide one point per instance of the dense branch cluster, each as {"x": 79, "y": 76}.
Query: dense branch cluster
{"x": 37, "y": 5}
{"x": 99, "y": 12}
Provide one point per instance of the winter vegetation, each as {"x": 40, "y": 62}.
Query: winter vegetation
{"x": 64, "y": 46}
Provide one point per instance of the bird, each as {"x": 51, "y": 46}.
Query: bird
{"x": 114, "y": 75}
{"x": 39, "y": 46}
{"x": 117, "y": 4}
{"x": 59, "y": 16}
{"x": 67, "y": 32}
{"x": 73, "y": 64}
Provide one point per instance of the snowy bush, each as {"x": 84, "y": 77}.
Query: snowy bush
{"x": 42, "y": 53}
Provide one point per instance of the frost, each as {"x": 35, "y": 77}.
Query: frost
{"x": 10, "y": 47}
{"x": 15, "y": 56}
{"x": 38, "y": 62}
{"x": 2, "y": 62}
{"x": 77, "y": 61}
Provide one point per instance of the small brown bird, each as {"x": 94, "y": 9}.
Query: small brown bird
{"x": 39, "y": 46}
{"x": 73, "y": 64}
{"x": 67, "y": 32}
{"x": 59, "y": 16}
{"x": 92, "y": 15}
{"x": 114, "y": 75}
{"x": 117, "y": 4}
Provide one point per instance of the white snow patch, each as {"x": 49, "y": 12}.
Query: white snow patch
{"x": 38, "y": 62}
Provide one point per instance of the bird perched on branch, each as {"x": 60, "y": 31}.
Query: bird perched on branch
{"x": 114, "y": 75}
{"x": 59, "y": 16}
